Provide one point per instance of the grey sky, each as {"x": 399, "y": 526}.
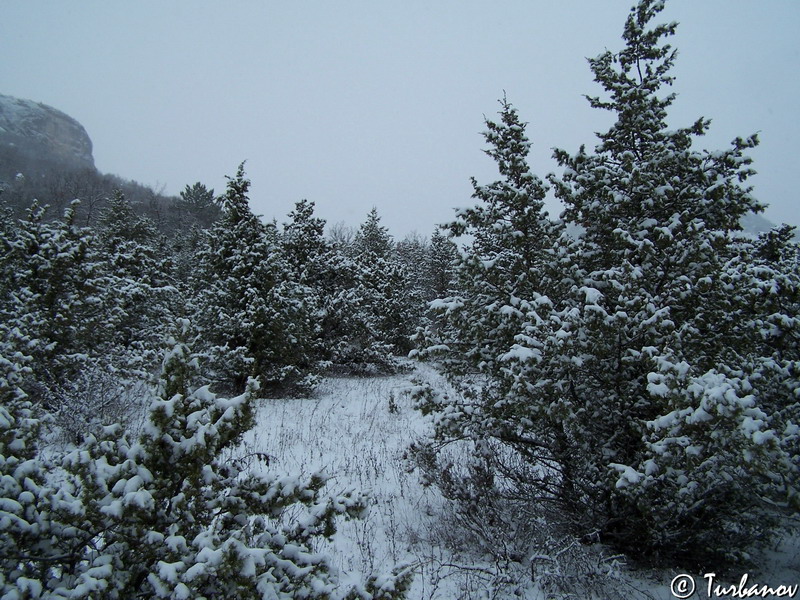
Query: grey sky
{"x": 361, "y": 103}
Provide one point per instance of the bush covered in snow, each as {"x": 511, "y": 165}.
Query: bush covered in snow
{"x": 171, "y": 514}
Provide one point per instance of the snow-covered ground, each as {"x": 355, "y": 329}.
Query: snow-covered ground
{"x": 358, "y": 430}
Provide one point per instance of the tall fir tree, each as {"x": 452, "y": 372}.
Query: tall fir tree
{"x": 389, "y": 307}
{"x": 668, "y": 354}
{"x": 440, "y": 265}
{"x": 251, "y": 311}
{"x": 635, "y": 370}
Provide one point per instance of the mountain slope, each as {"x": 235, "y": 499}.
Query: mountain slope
{"x": 36, "y": 138}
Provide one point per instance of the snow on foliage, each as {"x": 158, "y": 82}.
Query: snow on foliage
{"x": 627, "y": 373}
{"x": 643, "y": 375}
{"x": 256, "y": 318}
{"x": 169, "y": 515}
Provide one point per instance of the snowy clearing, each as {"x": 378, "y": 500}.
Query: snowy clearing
{"x": 359, "y": 430}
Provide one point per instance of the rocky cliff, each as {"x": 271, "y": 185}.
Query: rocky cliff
{"x": 36, "y": 138}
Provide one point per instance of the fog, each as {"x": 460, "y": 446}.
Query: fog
{"x": 360, "y": 104}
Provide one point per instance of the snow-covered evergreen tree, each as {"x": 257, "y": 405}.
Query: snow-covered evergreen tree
{"x": 346, "y": 337}
{"x": 304, "y": 243}
{"x": 53, "y": 285}
{"x": 170, "y": 515}
{"x": 372, "y": 238}
{"x": 389, "y": 308}
{"x": 413, "y": 252}
{"x": 641, "y": 371}
{"x": 511, "y": 257}
{"x": 440, "y": 265}
{"x": 668, "y": 356}
{"x": 312, "y": 266}
{"x": 89, "y": 303}
{"x": 251, "y": 312}
{"x": 28, "y": 530}
{"x": 514, "y": 269}
{"x": 197, "y": 203}
{"x": 139, "y": 270}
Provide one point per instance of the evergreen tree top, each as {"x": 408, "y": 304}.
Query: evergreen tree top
{"x": 372, "y": 237}
{"x": 235, "y": 201}
{"x": 510, "y": 213}
{"x": 118, "y": 220}
{"x": 633, "y": 77}
{"x": 643, "y": 174}
{"x": 509, "y": 146}
{"x": 197, "y": 195}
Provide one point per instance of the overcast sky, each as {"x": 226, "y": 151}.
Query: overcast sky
{"x": 359, "y": 103}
